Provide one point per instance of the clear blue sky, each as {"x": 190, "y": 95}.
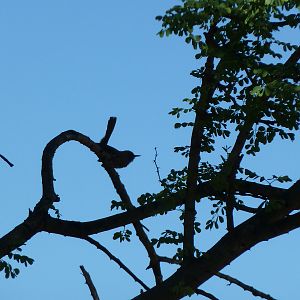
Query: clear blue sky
{"x": 71, "y": 65}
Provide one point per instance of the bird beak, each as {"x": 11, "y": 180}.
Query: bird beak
{"x": 136, "y": 155}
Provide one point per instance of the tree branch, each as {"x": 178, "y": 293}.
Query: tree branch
{"x": 156, "y": 165}
{"x": 89, "y": 283}
{"x": 207, "y": 90}
{"x": 120, "y": 189}
{"x": 205, "y": 294}
{"x": 41, "y": 221}
{"x": 266, "y": 224}
{"x": 37, "y": 218}
{"x": 49, "y": 196}
{"x": 244, "y": 286}
{"x": 116, "y": 260}
{"x": 293, "y": 59}
{"x": 6, "y": 160}
{"x": 77, "y": 229}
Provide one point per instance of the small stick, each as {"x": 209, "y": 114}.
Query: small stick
{"x": 6, "y": 160}
{"x": 156, "y": 165}
{"x": 89, "y": 283}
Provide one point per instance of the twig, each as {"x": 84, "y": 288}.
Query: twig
{"x": 169, "y": 260}
{"x": 6, "y": 160}
{"x": 156, "y": 165}
{"x": 205, "y": 294}
{"x": 109, "y": 130}
{"x": 89, "y": 283}
{"x": 246, "y": 208}
{"x": 244, "y": 286}
{"x": 116, "y": 260}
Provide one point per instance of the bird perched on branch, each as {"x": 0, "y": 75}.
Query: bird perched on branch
{"x": 117, "y": 159}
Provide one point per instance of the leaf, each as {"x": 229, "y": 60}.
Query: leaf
{"x": 17, "y": 271}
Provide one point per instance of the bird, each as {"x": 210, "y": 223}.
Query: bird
{"x": 116, "y": 158}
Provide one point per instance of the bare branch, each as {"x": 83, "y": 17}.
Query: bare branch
{"x": 109, "y": 130}
{"x": 37, "y": 218}
{"x": 156, "y": 165}
{"x": 205, "y": 294}
{"x": 244, "y": 286}
{"x": 169, "y": 260}
{"x": 116, "y": 260}
{"x": 6, "y": 160}
{"x": 89, "y": 283}
{"x": 120, "y": 189}
{"x": 49, "y": 195}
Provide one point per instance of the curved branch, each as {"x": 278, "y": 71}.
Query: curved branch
{"x": 39, "y": 220}
{"x": 36, "y": 220}
{"x": 77, "y": 229}
{"x": 49, "y": 196}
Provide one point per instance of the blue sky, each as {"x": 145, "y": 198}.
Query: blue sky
{"x": 71, "y": 65}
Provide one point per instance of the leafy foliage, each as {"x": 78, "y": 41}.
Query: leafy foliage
{"x": 216, "y": 217}
{"x": 253, "y": 91}
{"x": 168, "y": 237}
{"x": 7, "y": 268}
{"x": 247, "y": 86}
{"x": 123, "y": 235}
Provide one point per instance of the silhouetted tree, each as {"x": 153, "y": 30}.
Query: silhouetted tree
{"x": 248, "y": 90}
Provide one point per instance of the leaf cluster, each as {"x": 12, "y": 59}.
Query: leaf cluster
{"x": 123, "y": 235}
{"x": 7, "y": 268}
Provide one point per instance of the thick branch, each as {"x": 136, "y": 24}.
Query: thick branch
{"x": 293, "y": 59}
{"x": 244, "y": 286}
{"x": 77, "y": 229}
{"x": 257, "y": 190}
{"x": 37, "y": 219}
{"x": 21, "y": 233}
{"x": 49, "y": 195}
{"x": 263, "y": 226}
{"x": 37, "y": 222}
